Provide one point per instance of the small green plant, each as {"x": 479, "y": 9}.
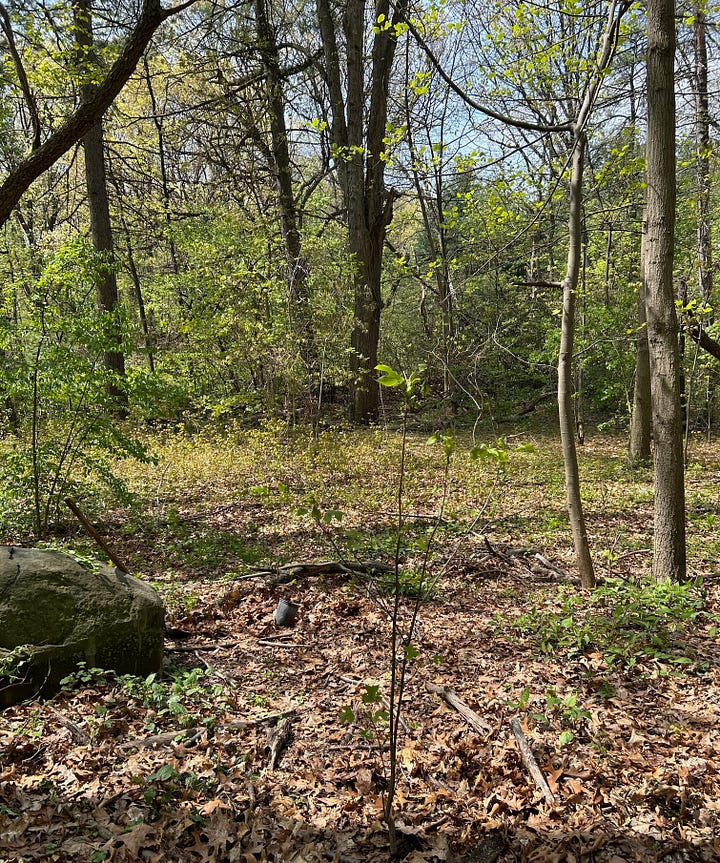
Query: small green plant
{"x": 168, "y": 783}
{"x": 628, "y": 623}
{"x": 183, "y": 697}
{"x": 409, "y": 583}
{"x": 372, "y": 719}
{"x": 13, "y": 664}
{"x": 83, "y": 677}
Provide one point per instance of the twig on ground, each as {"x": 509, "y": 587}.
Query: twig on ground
{"x": 467, "y": 713}
{"x": 79, "y": 736}
{"x": 193, "y": 734}
{"x": 193, "y": 648}
{"x": 530, "y": 761}
{"x": 189, "y": 735}
{"x": 265, "y": 642}
{"x": 278, "y": 738}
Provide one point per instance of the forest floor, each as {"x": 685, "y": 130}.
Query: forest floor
{"x": 618, "y": 693}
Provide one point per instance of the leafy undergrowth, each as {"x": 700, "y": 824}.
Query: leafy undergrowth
{"x": 618, "y": 694}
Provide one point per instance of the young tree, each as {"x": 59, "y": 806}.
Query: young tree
{"x": 279, "y": 157}
{"x": 641, "y": 419}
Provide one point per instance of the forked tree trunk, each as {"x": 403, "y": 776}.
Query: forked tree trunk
{"x": 565, "y": 370}
{"x": 358, "y": 134}
{"x": 669, "y": 559}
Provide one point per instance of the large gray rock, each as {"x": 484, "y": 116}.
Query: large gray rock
{"x": 56, "y": 612}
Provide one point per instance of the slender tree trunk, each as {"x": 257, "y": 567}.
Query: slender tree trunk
{"x": 703, "y": 149}
{"x": 132, "y": 269}
{"x": 682, "y": 298}
{"x": 299, "y": 302}
{"x": 565, "y": 370}
{"x": 164, "y": 179}
{"x": 99, "y": 206}
{"x": 641, "y": 421}
{"x": 669, "y": 559}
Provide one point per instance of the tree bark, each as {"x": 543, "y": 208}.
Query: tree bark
{"x": 99, "y": 207}
{"x": 565, "y": 370}
{"x": 669, "y": 559}
{"x": 297, "y": 267}
{"x": 703, "y": 150}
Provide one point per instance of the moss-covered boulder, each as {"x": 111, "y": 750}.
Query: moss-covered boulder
{"x": 56, "y": 612}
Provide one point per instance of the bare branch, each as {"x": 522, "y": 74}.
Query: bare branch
{"x": 89, "y": 112}
{"x": 28, "y": 95}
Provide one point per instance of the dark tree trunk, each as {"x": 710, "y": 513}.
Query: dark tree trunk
{"x": 99, "y": 206}
{"x": 669, "y": 560}
{"x": 282, "y": 168}
{"x": 358, "y": 132}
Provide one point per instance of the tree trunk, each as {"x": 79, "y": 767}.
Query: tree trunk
{"x": 662, "y": 325}
{"x": 162, "y": 159}
{"x": 565, "y": 370}
{"x": 641, "y": 421}
{"x": 300, "y": 315}
{"x": 703, "y": 150}
{"x": 358, "y": 132}
{"x": 99, "y": 206}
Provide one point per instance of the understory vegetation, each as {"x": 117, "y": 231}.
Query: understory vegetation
{"x": 616, "y": 690}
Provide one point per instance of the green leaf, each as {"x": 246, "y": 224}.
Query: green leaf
{"x": 371, "y": 695}
{"x": 410, "y": 651}
{"x": 566, "y": 737}
{"x": 347, "y": 715}
{"x": 388, "y": 377}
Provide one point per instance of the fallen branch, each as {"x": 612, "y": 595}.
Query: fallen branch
{"x": 530, "y": 761}
{"x": 190, "y": 735}
{"x": 264, "y": 642}
{"x": 292, "y": 571}
{"x": 192, "y": 648}
{"x": 278, "y": 738}
{"x": 550, "y": 567}
{"x": 114, "y": 557}
{"x": 462, "y": 708}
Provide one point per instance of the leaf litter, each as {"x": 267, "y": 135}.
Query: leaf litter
{"x": 156, "y": 771}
